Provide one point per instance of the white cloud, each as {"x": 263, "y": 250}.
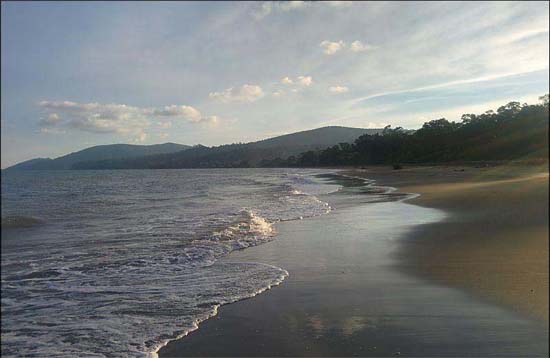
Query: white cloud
{"x": 246, "y": 93}
{"x": 186, "y": 112}
{"x": 163, "y": 135}
{"x": 114, "y": 118}
{"x": 300, "y": 81}
{"x": 358, "y": 46}
{"x": 96, "y": 117}
{"x": 338, "y": 89}
{"x": 330, "y": 48}
{"x": 52, "y": 119}
{"x": 305, "y": 80}
{"x": 287, "y": 81}
{"x": 293, "y": 85}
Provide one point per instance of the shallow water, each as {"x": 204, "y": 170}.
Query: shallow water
{"x": 115, "y": 263}
{"x": 348, "y": 294}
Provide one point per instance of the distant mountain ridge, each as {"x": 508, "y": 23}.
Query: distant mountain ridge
{"x": 119, "y": 156}
{"x": 319, "y": 137}
{"x": 251, "y": 154}
{"x": 100, "y": 152}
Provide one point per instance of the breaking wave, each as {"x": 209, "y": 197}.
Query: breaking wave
{"x": 131, "y": 261}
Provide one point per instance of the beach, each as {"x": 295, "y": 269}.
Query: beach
{"x": 494, "y": 243}
{"x": 441, "y": 274}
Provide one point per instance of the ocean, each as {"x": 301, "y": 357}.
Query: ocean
{"x": 117, "y": 263}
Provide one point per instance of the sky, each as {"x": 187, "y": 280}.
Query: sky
{"x": 78, "y": 74}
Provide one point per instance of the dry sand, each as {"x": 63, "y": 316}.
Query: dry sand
{"x": 494, "y": 242}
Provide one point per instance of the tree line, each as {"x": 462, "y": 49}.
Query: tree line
{"x": 514, "y": 131}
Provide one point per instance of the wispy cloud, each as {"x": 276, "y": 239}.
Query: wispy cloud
{"x": 304, "y": 81}
{"x": 338, "y": 89}
{"x": 52, "y": 130}
{"x": 266, "y": 8}
{"x": 332, "y": 47}
{"x": 245, "y": 93}
{"x": 358, "y": 46}
{"x": 442, "y": 85}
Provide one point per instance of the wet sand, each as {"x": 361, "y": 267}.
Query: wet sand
{"x": 494, "y": 243}
{"x": 349, "y": 293}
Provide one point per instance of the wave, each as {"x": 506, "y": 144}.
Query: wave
{"x": 138, "y": 270}
{"x": 252, "y": 231}
{"x": 214, "y": 310}
{"x": 376, "y": 193}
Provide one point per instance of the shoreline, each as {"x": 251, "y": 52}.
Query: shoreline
{"x": 225, "y": 329}
{"x": 496, "y": 215}
{"x": 214, "y": 313}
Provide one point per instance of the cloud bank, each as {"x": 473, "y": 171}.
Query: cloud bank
{"x": 115, "y": 118}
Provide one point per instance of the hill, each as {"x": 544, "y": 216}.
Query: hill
{"x": 320, "y": 137}
{"x": 515, "y": 132}
{"x": 97, "y": 153}
{"x": 238, "y": 155}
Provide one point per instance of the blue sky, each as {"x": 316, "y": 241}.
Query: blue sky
{"x": 81, "y": 74}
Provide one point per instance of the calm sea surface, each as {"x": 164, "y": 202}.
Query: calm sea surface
{"x": 115, "y": 263}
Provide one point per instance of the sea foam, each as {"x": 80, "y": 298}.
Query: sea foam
{"x": 125, "y": 261}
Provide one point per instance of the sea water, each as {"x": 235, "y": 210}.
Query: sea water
{"x": 117, "y": 263}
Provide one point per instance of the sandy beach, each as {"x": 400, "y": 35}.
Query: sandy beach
{"x": 494, "y": 243}
{"x": 444, "y": 274}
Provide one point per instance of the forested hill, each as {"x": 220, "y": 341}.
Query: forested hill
{"x": 100, "y": 152}
{"x": 515, "y": 131}
{"x": 238, "y": 155}
{"x": 319, "y": 138}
